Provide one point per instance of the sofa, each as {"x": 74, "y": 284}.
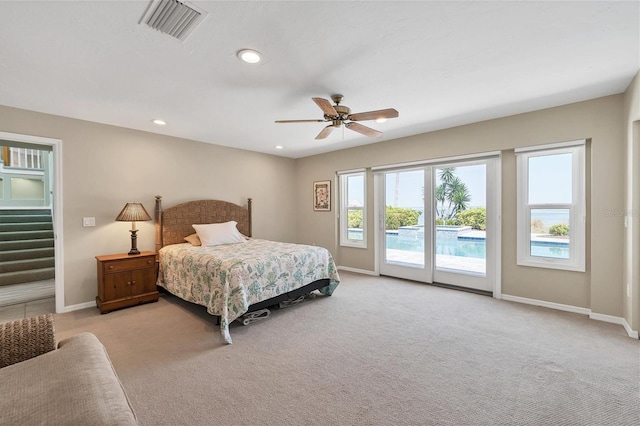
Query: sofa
{"x": 71, "y": 383}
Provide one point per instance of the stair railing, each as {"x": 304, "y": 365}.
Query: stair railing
{"x": 23, "y": 178}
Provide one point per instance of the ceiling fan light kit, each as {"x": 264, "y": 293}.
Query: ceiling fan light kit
{"x": 338, "y": 115}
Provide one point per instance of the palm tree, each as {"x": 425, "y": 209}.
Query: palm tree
{"x": 451, "y": 191}
{"x": 458, "y": 196}
{"x": 447, "y": 174}
{"x": 443, "y": 191}
{"x": 440, "y": 196}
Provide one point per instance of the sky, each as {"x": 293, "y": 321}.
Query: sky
{"x": 550, "y": 182}
{"x": 550, "y": 179}
{"x": 411, "y": 183}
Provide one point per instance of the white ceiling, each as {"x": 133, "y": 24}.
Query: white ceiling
{"x": 440, "y": 64}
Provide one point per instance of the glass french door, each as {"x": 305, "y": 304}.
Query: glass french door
{"x": 439, "y": 223}
{"x": 405, "y": 241}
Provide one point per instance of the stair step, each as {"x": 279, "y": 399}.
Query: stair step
{"x": 19, "y": 218}
{"x": 26, "y": 244}
{"x": 27, "y": 264}
{"x": 8, "y": 278}
{"x": 25, "y": 235}
{"x": 32, "y": 253}
{"x": 25, "y": 226}
{"x": 24, "y": 212}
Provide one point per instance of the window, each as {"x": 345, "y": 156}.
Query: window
{"x": 551, "y": 206}
{"x": 353, "y": 212}
{"x": 21, "y": 158}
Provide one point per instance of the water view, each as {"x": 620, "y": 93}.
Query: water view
{"x": 467, "y": 246}
{"x": 459, "y": 213}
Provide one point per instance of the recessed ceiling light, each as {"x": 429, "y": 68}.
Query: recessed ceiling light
{"x": 380, "y": 120}
{"x": 159, "y": 122}
{"x": 279, "y": 147}
{"x": 250, "y": 56}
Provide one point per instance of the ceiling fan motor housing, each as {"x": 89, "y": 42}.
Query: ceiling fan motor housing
{"x": 343, "y": 114}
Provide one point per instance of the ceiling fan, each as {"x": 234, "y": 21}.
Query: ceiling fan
{"x": 339, "y": 114}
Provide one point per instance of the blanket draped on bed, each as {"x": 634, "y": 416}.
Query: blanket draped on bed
{"x": 227, "y": 279}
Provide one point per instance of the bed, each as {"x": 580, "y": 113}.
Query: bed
{"x": 232, "y": 279}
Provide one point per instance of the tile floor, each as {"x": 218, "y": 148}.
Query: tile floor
{"x": 28, "y": 309}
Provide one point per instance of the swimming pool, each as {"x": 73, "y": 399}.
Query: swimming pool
{"x": 470, "y": 246}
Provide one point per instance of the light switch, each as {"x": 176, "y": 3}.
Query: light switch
{"x": 88, "y": 221}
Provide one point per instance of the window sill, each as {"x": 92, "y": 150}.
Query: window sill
{"x": 353, "y": 245}
{"x": 551, "y": 264}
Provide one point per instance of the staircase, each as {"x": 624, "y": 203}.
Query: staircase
{"x": 26, "y": 246}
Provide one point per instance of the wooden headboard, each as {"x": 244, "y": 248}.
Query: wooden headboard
{"x": 174, "y": 223}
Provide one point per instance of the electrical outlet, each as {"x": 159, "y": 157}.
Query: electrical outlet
{"x": 88, "y": 221}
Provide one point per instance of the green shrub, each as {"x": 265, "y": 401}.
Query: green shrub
{"x": 355, "y": 219}
{"x": 475, "y": 218}
{"x": 559, "y": 229}
{"x": 398, "y": 216}
{"x": 447, "y": 222}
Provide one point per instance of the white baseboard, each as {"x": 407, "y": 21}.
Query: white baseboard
{"x": 79, "y": 306}
{"x": 630, "y": 331}
{"x": 575, "y": 309}
{"x": 357, "y": 271}
{"x": 545, "y": 304}
{"x": 615, "y": 320}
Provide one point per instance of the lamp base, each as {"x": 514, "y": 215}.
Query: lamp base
{"x": 134, "y": 242}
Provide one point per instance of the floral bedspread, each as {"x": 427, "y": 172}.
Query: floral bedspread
{"x": 227, "y": 279}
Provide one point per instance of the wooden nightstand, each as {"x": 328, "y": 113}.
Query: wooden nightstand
{"x": 126, "y": 280}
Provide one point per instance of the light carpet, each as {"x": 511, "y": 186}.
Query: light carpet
{"x": 380, "y": 351}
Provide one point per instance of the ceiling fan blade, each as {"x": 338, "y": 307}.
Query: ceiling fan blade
{"x": 300, "y": 121}
{"x": 367, "y": 131}
{"x": 325, "y": 132}
{"x": 326, "y": 107}
{"x": 374, "y": 115}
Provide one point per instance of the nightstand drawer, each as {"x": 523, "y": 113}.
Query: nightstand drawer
{"x": 129, "y": 264}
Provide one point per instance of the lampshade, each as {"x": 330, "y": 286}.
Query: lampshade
{"x": 133, "y": 212}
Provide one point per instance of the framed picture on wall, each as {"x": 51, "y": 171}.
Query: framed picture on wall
{"x": 322, "y": 196}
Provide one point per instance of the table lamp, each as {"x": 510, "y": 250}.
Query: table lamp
{"x": 133, "y": 212}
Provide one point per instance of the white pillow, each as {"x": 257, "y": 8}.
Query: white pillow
{"x": 215, "y": 234}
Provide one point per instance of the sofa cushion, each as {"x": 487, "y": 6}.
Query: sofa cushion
{"x": 74, "y": 384}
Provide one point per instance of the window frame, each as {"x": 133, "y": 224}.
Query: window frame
{"x": 577, "y": 207}
{"x": 344, "y": 209}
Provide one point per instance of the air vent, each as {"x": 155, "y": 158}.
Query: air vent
{"x": 174, "y": 18}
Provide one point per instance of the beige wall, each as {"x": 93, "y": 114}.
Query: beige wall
{"x": 106, "y": 166}
{"x": 598, "y": 120}
{"x": 631, "y": 283}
